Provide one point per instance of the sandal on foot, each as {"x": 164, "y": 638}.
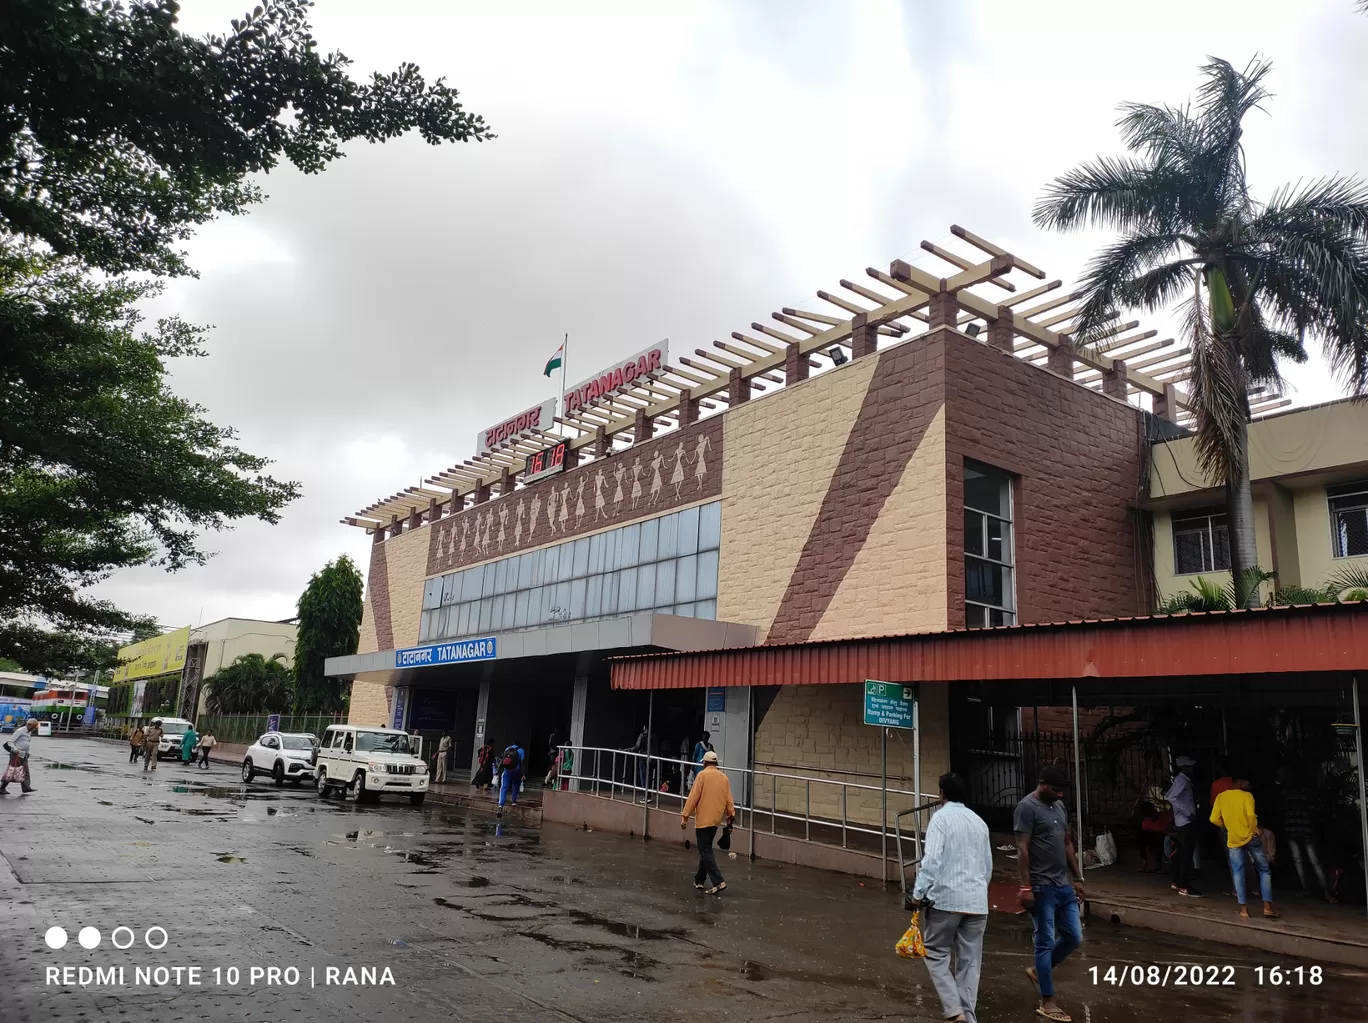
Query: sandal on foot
{"x": 1272, "y": 916}
{"x": 1058, "y": 1015}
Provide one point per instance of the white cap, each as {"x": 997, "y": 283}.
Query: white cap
{"x": 710, "y": 757}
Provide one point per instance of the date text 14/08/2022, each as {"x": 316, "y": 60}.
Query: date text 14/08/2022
{"x": 1194, "y": 975}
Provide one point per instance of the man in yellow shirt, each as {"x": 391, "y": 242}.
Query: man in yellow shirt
{"x": 709, "y": 803}
{"x": 1234, "y": 811}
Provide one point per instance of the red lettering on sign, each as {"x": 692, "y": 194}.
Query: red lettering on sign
{"x": 653, "y": 359}
{"x": 629, "y": 372}
{"x": 617, "y": 379}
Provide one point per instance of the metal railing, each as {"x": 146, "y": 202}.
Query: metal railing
{"x": 780, "y": 803}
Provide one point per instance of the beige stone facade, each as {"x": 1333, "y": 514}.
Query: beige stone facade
{"x": 819, "y": 730}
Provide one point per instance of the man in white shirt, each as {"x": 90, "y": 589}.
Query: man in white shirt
{"x": 952, "y": 885}
{"x": 21, "y": 745}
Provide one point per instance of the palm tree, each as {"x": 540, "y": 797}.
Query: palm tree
{"x": 1253, "y": 279}
{"x": 250, "y": 685}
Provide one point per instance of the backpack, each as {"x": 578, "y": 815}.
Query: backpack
{"x": 510, "y": 760}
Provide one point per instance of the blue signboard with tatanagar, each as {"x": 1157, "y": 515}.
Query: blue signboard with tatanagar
{"x": 446, "y": 653}
{"x": 889, "y": 705}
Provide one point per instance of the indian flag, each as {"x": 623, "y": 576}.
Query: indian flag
{"x": 555, "y": 361}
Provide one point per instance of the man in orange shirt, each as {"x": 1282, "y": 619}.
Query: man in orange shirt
{"x": 709, "y": 803}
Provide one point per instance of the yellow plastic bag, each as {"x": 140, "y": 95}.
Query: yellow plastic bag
{"x": 910, "y": 945}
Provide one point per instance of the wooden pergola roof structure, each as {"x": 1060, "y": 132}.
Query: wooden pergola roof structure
{"x": 988, "y": 293}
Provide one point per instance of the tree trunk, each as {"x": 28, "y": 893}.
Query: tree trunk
{"x": 1244, "y": 552}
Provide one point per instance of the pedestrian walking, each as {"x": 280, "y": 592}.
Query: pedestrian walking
{"x": 484, "y": 770}
{"x": 701, "y": 747}
{"x": 206, "y": 745}
{"x": 1234, "y": 811}
{"x": 709, "y": 803}
{"x": 135, "y": 744}
{"x": 443, "y": 751}
{"x": 510, "y": 775}
{"x": 1301, "y": 832}
{"x": 952, "y": 888}
{"x": 1047, "y": 860}
{"x": 20, "y": 747}
{"x": 189, "y": 740}
{"x": 1182, "y": 798}
{"x": 152, "y": 737}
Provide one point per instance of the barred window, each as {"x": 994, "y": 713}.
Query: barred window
{"x": 1201, "y": 543}
{"x": 1349, "y": 519}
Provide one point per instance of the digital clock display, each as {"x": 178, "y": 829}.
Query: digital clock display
{"x": 545, "y": 463}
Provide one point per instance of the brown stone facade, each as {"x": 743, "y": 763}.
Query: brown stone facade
{"x": 680, "y": 468}
{"x": 1078, "y": 458}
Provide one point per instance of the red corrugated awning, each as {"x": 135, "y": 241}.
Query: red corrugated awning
{"x": 1314, "y": 639}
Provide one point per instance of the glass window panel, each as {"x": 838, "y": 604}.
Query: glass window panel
{"x": 510, "y": 610}
{"x": 665, "y": 584}
{"x": 565, "y": 565}
{"x": 496, "y": 611}
{"x": 462, "y": 612}
{"x": 472, "y": 579}
{"x": 686, "y": 583}
{"x": 710, "y": 526}
{"x": 629, "y": 545}
{"x": 646, "y": 580}
{"x": 490, "y": 574}
{"x": 684, "y": 610}
{"x": 501, "y": 576}
{"x": 986, "y": 490}
{"x": 707, "y": 575}
{"x": 425, "y": 626}
{"x": 451, "y": 588}
{"x": 524, "y": 571}
{"x": 627, "y": 590}
{"x": 550, "y": 564}
{"x": 669, "y": 536}
{"x": 973, "y": 532}
{"x": 593, "y": 598}
{"x": 975, "y": 616}
{"x": 520, "y": 609}
{"x": 486, "y": 607}
{"x": 688, "y": 531}
{"x": 581, "y": 568}
{"x": 432, "y": 594}
{"x": 596, "y": 554}
{"x": 1000, "y": 540}
{"x": 563, "y": 613}
{"x": 650, "y": 540}
{"x": 983, "y": 582}
{"x": 577, "y": 591}
{"x": 610, "y": 590}
{"x": 706, "y": 609}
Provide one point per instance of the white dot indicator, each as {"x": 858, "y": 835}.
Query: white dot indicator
{"x": 89, "y": 937}
{"x": 55, "y": 937}
{"x": 147, "y": 938}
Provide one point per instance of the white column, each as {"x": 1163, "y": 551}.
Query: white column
{"x": 579, "y": 712}
{"x": 481, "y": 725}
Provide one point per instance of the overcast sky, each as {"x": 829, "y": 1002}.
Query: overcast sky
{"x": 659, "y": 173}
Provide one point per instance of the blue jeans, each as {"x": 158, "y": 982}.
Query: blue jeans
{"x": 1057, "y": 930}
{"x": 1237, "y": 869}
{"x": 509, "y": 782}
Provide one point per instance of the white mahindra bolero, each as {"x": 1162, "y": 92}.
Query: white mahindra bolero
{"x": 367, "y": 763}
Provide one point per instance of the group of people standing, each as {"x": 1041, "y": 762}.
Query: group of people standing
{"x": 146, "y": 743}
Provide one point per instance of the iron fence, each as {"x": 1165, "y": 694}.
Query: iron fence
{"x": 244, "y": 729}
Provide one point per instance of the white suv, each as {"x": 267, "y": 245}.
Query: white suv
{"x": 370, "y": 762}
{"x": 282, "y": 755}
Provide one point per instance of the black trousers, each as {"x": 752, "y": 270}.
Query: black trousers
{"x": 1182, "y": 859}
{"x": 134, "y": 753}
{"x": 707, "y": 862}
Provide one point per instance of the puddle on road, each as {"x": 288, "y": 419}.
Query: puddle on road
{"x": 104, "y": 802}
{"x": 633, "y": 960}
{"x": 230, "y": 858}
{"x": 477, "y": 882}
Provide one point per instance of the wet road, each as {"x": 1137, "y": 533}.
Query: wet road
{"x": 480, "y": 921}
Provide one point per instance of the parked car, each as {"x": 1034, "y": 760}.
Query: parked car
{"x": 367, "y": 763}
{"x": 285, "y": 756}
{"x": 173, "y": 731}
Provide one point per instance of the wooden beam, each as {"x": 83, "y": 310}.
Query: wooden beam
{"x": 764, "y": 346}
{"x": 984, "y": 245}
{"x": 970, "y": 265}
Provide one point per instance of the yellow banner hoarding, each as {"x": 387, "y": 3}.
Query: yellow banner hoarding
{"x": 156, "y": 656}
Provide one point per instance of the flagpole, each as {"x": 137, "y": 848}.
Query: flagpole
{"x": 565, "y": 357}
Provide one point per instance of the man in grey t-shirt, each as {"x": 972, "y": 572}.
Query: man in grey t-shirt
{"x": 1045, "y": 854}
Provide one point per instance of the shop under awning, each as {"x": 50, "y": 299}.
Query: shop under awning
{"x": 1316, "y": 640}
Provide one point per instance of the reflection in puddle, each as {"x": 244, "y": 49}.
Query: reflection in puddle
{"x": 230, "y": 858}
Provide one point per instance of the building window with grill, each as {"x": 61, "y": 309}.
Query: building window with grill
{"x": 1349, "y": 519}
{"x": 1201, "y": 543}
{"x": 989, "y": 585}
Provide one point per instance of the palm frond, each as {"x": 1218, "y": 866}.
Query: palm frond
{"x": 1299, "y": 595}
{"x": 1223, "y": 100}
{"x": 1132, "y": 272}
{"x": 1342, "y": 202}
{"x": 1351, "y": 577}
{"x": 1121, "y": 193}
{"x": 1221, "y": 403}
{"x": 1163, "y": 133}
